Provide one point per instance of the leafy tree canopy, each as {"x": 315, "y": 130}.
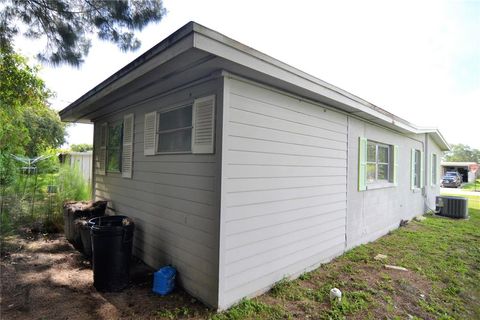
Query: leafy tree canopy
{"x": 68, "y": 24}
{"x": 463, "y": 153}
{"x": 81, "y": 147}
{"x": 29, "y": 125}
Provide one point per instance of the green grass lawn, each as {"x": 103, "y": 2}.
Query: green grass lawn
{"x": 471, "y": 186}
{"x": 442, "y": 282}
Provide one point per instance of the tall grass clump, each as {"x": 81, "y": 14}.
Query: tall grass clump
{"x": 35, "y": 198}
{"x": 71, "y": 184}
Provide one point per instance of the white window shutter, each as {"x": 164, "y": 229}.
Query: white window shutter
{"x": 127, "y": 147}
{"x": 150, "y": 134}
{"x": 101, "y": 157}
{"x": 203, "y": 121}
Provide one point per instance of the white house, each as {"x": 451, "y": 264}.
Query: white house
{"x": 240, "y": 170}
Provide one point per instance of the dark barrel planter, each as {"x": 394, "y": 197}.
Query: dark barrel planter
{"x": 80, "y": 210}
{"x": 112, "y": 239}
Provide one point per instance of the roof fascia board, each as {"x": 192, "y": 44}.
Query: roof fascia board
{"x": 231, "y": 50}
{"x": 176, "y": 44}
{"x": 224, "y": 47}
{"x": 193, "y": 35}
{"x": 453, "y": 163}
{"x": 440, "y": 140}
{"x": 214, "y": 35}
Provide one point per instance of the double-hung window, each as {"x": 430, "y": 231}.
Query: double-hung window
{"x": 378, "y": 164}
{"x": 417, "y": 166}
{"x": 175, "y": 130}
{"x": 114, "y": 147}
{"x": 181, "y": 129}
{"x": 416, "y": 170}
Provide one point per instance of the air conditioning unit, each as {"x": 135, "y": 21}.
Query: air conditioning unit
{"x": 453, "y": 207}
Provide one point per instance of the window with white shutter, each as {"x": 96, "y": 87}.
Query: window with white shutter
{"x": 101, "y": 154}
{"x": 127, "y": 147}
{"x": 203, "y": 134}
{"x": 182, "y": 129}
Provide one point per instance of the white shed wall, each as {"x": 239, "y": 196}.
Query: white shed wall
{"x": 372, "y": 213}
{"x": 283, "y": 188}
{"x": 173, "y": 200}
{"x": 82, "y": 161}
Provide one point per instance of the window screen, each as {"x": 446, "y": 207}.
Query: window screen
{"x": 175, "y": 130}
{"x": 378, "y": 162}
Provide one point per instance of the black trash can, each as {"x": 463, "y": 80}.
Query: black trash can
{"x": 112, "y": 239}
{"x": 84, "y": 232}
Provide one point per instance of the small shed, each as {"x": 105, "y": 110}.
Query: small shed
{"x": 468, "y": 170}
{"x": 241, "y": 170}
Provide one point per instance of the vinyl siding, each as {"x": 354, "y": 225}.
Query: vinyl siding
{"x": 284, "y": 188}
{"x": 173, "y": 200}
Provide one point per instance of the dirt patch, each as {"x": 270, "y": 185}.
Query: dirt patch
{"x": 44, "y": 277}
{"x": 369, "y": 291}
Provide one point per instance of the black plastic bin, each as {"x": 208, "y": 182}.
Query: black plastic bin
{"x": 84, "y": 232}
{"x": 112, "y": 239}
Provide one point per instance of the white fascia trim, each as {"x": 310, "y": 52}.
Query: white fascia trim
{"x": 217, "y": 44}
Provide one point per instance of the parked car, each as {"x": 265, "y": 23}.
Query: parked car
{"x": 451, "y": 179}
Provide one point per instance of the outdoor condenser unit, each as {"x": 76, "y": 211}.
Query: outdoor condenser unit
{"x": 453, "y": 207}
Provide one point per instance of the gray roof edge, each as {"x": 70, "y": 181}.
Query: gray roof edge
{"x": 437, "y": 136}
{"x": 193, "y": 27}
{"x": 215, "y": 35}
{"x": 457, "y": 163}
{"x": 146, "y": 56}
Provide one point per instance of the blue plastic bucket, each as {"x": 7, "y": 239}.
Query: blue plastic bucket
{"x": 164, "y": 280}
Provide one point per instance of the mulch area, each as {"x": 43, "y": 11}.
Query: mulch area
{"x": 44, "y": 277}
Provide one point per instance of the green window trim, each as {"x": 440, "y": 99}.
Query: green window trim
{"x": 434, "y": 169}
{"x": 362, "y": 164}
{"x": 422, "y": 169}
{"x": 395, "y": 165}
{"x": 393, "y": 160}
{"x": 417, "y": 169}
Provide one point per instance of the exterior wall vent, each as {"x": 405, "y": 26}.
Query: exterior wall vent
{"x": 453, "y": 207}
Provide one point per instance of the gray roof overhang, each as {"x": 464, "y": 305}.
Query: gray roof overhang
{"x": 194, "y": 41}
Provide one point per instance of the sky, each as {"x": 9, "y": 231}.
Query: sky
{"x": 419, "y": 60}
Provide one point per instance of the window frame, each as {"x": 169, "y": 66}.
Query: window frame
{"x": 108, "y": 148}
{"x": 389, "y": 163}
{"x": 158, "y": 132}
